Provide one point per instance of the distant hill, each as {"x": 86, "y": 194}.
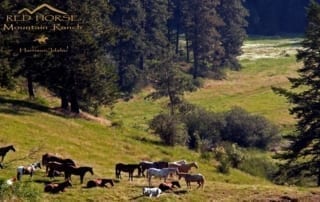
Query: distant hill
{"x": 270, "y": 17}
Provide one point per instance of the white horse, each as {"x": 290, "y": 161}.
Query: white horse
{"x": 151, "y": 191}
{"x": 164, "y": 172}
{"x": 27, "y": 170}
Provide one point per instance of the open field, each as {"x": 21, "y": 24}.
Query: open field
{"x": 36, "y": 129}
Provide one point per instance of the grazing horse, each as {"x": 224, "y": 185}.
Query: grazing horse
{"x": 51, "y": 157}
{"x": 99, "y": 183}
{"x": 151, "y": 191}
{"x": 81, "y": 171}
{"x": 57, "y": 187}
{"x": 4, "y": 151}
{"x": 169, "y": 186}
{"x": 164, "y": 172}
{"x": 145, "y": 165}
{"x": 128, "y": 168}
{"x": 193, "y": 178}
{"x": 55, "y": 167}
{"x": 27, "y": 170}
{"x": 184, "y": 168}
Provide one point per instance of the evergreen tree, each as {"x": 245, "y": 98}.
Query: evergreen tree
{"x": 201, "y": 22}
{"x": 233, "y": 15}
{"x": 302, "y": 156}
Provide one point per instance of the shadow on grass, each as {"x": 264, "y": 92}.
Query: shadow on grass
{"x": 21, "y": 107}
{"x": 45, "y": 181}
{"x": 137, "y": 197}
{"x": 146, "y": 140}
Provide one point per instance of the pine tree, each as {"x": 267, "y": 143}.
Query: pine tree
{"x": 233, "y": 15}
{"x": 302, "y": 156}
{"x": 201, "y": 22}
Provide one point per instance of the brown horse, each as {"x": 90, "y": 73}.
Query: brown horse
{"x": 99, "y": 183}
{"x": 4, "y": 151}
{"x": 128, "y": 168}
{"x": 192, "y": 178}
{"x": 55, "y": 167}
{"x": 51, "y": 157}
{"x": 184, "y": 168}
{"x": 57, "y": 187}
{"x": 81, "y": 171}
{"x": 165, "y": 186}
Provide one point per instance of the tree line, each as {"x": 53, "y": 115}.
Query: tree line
{"x": 124, "y": 46}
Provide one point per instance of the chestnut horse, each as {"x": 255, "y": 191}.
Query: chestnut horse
{"x": 169, "y": 186}
{"x": 4, "y": 151}
{"x": 184, "y": 168}
{"x": 99, "y": 183}
{"x": 57, "y": 187}
{"x": 81, "y": 171}
{"x": 51, "y": 157}
{"x": 128, "y": 168}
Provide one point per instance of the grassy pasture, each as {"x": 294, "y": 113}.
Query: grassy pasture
{"x": 35, "y": 129}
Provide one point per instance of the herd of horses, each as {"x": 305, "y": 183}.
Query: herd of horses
{"x": 57, "y": 166}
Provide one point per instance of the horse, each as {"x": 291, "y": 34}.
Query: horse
{"x": 81, "y": 171}
{"x": 4, "y": 151}
{"x": 184, "y": 168}
{"x": 57, "y": 187}
{"x": 164, "y": 172}
{"x": 145, "y": 165}
{"x": 129, "y": 168}
{"x": 47, "y": 157}
{"x": 99, "y": 183}
{"x": 55, "y": 167}
{"x": 169, "y": 186}
{"x": 193, "y": 178}
{"x": 27, "y": 170}
{"x": 151, "y": 191}
{"x": 179, "y": 162}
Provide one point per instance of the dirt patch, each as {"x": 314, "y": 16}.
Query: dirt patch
{"x": 82, "y": 115}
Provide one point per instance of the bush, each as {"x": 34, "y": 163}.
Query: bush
{"x": 169, "y": 128}
{"x": 224, "y": 166}
{"x": 20, "y": 190}
{"x": 249, "y": 130}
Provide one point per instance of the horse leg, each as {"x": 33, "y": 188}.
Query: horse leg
{"x": 81, "y": 178}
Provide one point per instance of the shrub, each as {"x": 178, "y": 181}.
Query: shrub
{"x": 224, "y": 166}
{"x": 249, "y": 130}
{"x": 21, "y": 190}
{"x": 169, "y": 128}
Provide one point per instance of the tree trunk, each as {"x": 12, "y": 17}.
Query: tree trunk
{"x": 64, "y": 100}
{"x": 30, "y": 86}
{"x": 187, "y": 47}
{"x": 74, "y": 102}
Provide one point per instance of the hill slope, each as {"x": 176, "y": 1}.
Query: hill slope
{"x": 35, "y": 130}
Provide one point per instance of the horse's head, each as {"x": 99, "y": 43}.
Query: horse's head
{"x": 37, "y": 165}
{"x": 175, "y": 183}
{"x": 90, "y": 169}
{"x": 195, "y": 164}
{"x": 11, "y": 147}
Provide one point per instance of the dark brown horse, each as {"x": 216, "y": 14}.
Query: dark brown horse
{"x": 51, "y": 157}
{"x": 57, "y": 187}
{"x": 99, "y": 183}
{"x": 4, "y": 151}
{"x": 54, "y": 167}
{"x": 128, "y": 168}
{"x": 145, "y": 165}
{"x": 81, "y": 171}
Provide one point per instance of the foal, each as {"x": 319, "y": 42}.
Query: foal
{"x": 4, "y": 151}
{"x": 99, "y": 183}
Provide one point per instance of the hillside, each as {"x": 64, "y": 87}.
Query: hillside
{"x": 34, "y": 129}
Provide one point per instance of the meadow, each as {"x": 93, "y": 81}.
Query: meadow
{"x": 35, "y": 128}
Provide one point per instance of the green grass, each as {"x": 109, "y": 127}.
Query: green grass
{"x": 35, "y": 129}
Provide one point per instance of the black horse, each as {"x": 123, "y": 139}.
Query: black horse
{"x": 4, "y": 151}
{"x": 46, "y": 158}
{"x": 81, "y": 171}
{"x": 128, "y": 168}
